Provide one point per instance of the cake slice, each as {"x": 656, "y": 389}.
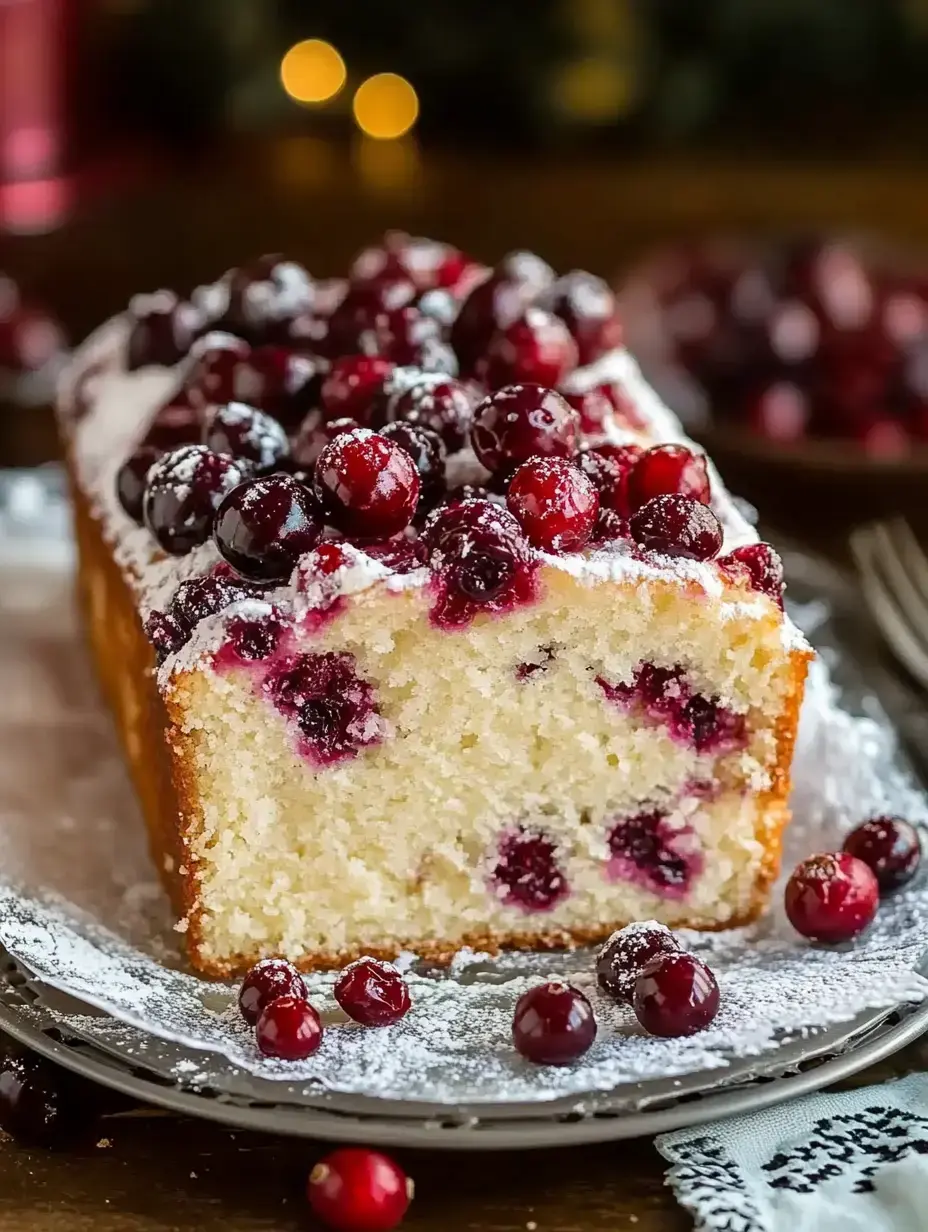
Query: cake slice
{"x": 422, "y": 623}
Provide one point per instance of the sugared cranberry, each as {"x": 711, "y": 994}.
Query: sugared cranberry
{"x": 445, "y": 406}
{"x": 131, "y": 477}
{"x": 762, "y": 566}
{"x": 288, "y": 1028}
{"x": 165, "y": 633}
{"x": 174, "y": 424}
{"x": 626, "y": 953}
{"x": 162, "y": 332}
{"x": 677, "y": 526}
{"x": 367, "y": 485}
{"x": 553, "y": 1024}
{"x": 594, "y": 408}
{"x": 587, "y": 306}
{"x": 264, "y": 294}
{"x": 675, "y": 994}
{"x": 351, "y": 384}
{"x": 527, "y": 874}
{"x": 890, "y": 848}
{"x": 610, "y": 527}
{"x": 313, "y": 437}
{"x": 408, "y": 337}
{"x": 265, "y": 982}
{"x": 427, "y": 451}
{"x": 372, "y": 992}
{"x": 274, "y": 379}
{"x": 362, "y": 305}
{"x": 668, "y": 470}
{"x": 491, "y": 306}
{"x": 608, "y": 467}
{"x": 250, "y": 641}
{"x": 182, "y": 493}
{"x": 358, "y": 1190}
{"x": 244, "y": 432}
{"x": 264, "y": 526}
{"x": 527, "y": 268}
{"x": 537, "y": 347}
{"x": 333, "y": 707}
{"x": 40, "y": 1104}
{"x": 199, "y": 597}
{"x": 555, "y": 503}
{"x": 520, "y": 422}
{"x": 831, "y": 897}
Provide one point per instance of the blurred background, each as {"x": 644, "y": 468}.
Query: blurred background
{"x": 149, "y": 143}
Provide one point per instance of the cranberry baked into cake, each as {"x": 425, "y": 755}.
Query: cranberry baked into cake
{"x": 422, "y": 623}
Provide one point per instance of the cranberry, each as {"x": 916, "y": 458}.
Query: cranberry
{"x": 610, "y": 527}
{"x": 264, "y": 526}
{"x": 250, "y": 641}
{"x": 131, "y": 477}
{"x": 627, "y": 952}
{"x": 890, "y": 848}
{"x": 446, "y": 407}
{"x": 647, "y": 850}
{"x": 587, "y": 306}
{"x": 162, "y": 331}
{"x": 265, "y": 982}
{"x": 537, "y": 347}
{"x": 401, "y": 555}
{"x": 288, "y": 1028}
{"x": 174, "y": 424}
{"x": 410, "y": 338}
{"x": 492, "y": 305}
{"x": 519, "y": 422}
{"x": 40, "y": 1104}
{"x": 350, "y": 386}
{"x": 313, "y": 437}
{"x": 761, "y": 564}
{"x": 212, "y": 375}
{"x": 553, "y": 1024}
{"x": 609, "y": 467}
{"x": 372, "y": 992}
{"x": 333, "y": 707}
{"x": 265, "y": 293}
{"x": 274, "y": 379}
{"x": 527, "y": 268}
{"x": 166, "y": 634}
{"x": 358, "y": 1190}
{"x": 555, "y": 503}
{"x": 427, "y": 451}
{"x": 361, "y": 307}
{"x": 594, "y": 407}
{"x": 675, "y": 994}
{"x": 182, "y": 492}
{"x": 244, "y": 432}
{"x": 831, "y": 897}
{"x": 666, "y": 470}
{"x": 677, "y": 526}
{"x": 527, "y": 873}
{"x": 199, "y": 597}
{"x": 427, "y": 262}
{"x": 462, "y": 517}
{"x": 367, "y": 485}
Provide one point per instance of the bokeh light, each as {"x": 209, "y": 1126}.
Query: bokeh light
{"x": 385, "y": 106}
{"x": 313, "y": 71}
{"x": 596, "y": 89}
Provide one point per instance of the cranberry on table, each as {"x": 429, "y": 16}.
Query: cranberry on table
{"x": 519, "y": 422}
{"x": 677, "y": 526}
{"x": 831, "y": 897}
{"x": 666, "y": 470}
{"x": 890, "y": 847}
{"x": 537, "y": 347}
{"x": 555, "y": 503}
{"x": 761, "y": 564}
{"x": 264, "y": 526}
{"x": 358, "y": 1190}
{"x": 182, "y": 493}
{"x": 627, "y": 952}
{"x": 675, "y": 995}
{"x": 162, "y": 331}
{"x": 288, "y": 1028}
{"x": 553, "y": 1024}
{"x": 587, "y": 306}
{"x": 368, "y": 486}
{"x": 242, "y": 431}
{"x": 265, "y": 982}
{"x": 372, "y": 992}
{"x": 350, "y": 386}
{"x": 131, "y": 477}
{"x": 445, "y": 406}
{"x": 609, "y": 467}
{"x": 427, "y": 451}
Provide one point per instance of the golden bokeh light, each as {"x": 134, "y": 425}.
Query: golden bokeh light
{"x": 312, "y": 71}
{"x": 385, "y": 106}
{"x": 596, "y": 89}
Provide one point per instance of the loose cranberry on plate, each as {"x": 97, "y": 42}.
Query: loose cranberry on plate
{"x": 627, "y": 953}
{"x": 555, "y": 503}
{"x": 264, "y": 526}
{"x": 666, "y": 470}
{"x": 372, "y": 992}
{"x": 288, "y": 1028}
{"x": 677, "y": 526}
{"x": 609, "y": 468}
{"x": 831, "y": 897}
{"x": 587, "y": 306}
{"x": 265, "y": 982}
{"x": 131, "y": 477}
{"x": 367, "y": 485}
{"x": 183, "y": 490}
{"x": 427, "y": 451}
{"x": 553, "y": 1024}
{"x": 358, "y": 1190}
{"x": 519, "y": 422}
{"x": 890, "y": 847}
{"x": 242, "y": 431}
{"x": 351, "y": 384}
{"x": 675, "y": 995}
{"x": 537, "y": 347}
{"x": 762, "y": 566}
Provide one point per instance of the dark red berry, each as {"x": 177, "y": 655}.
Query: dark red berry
{"x": 677, "y": 526}
{"x": 608, "y": 467}
{"x": 427, "y": 451}
{"x": 627, "y": 952}
{"x": 199, "y": 597}
{"x": 555, "y": 503}
{"x": 243, "y": 432}
{"x": 166, "y": 634}
{"x": 587, "y": 306}
{"x": 762, "y": 567}
{"x": 367, "y": 485}
{"x": 409, "y": 338}
{"x": 182, "y": 493}
{"x": 610, "y": 527}
{"x": 250, "y": 641}
{"x": 212, "y": 376}
{"x": 350, "y": 386}
{"x": 334, "y": 708}
{"x": 527, "y": 268}
{"x": 313, "y": 437}
{"x": 520, "y": 422}
{"x": 648, "y": 850}
{"x": 445, "y": 406}
{"x": 553, "y": 1024}
{"x": 274, "y": 379}
{"x": 162, "y": 332}
{"x": 264, "y": 294}
{"x": 372, "y": 992}
{"x": 265, "y": 982}
{"x": 890, "y": 848}
{"x": 527, "y": 873}
{"x": 594, "y": 407}
{"x": 668, "y": 470}
{"x": 40, "y": 1104}
{"x": 176, "y": 423}
{"x": 131, "y": 477}
{"x": 288, "y": 1028}
{"x": 492, "y": 305}
{"x": 264, "y": 526}
{"x": 675, "y": 995}
{"x": 537, "y": 347}
{"x": 831, "y": 897}
{"x": 358, "y": 1190}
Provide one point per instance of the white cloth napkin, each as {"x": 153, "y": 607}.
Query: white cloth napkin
{"x": 853, "y": 1161}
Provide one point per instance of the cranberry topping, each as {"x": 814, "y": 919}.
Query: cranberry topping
{"x": 212, "y": 376}
{"x": 675, "y": 995}
{"x": 40, "y": 1104}
{"x": 762, "y": 567}
{"x": 609, "y": 467}
{"x": 264, "y": 526}
{"x": 677, "y": 526}
{"x": 182, "y": 493}
{"x": 250, "y": 641}
{"x": 831, "y": 897}
{"x": 553, "y": 1024}
{"x": 199, "y": 597}
{"x": 519, "y": 422}
{"x": 358, "y": 1190}
{"x": 163, "y": 332}
{"x": 313, "y": 437}
{"x": 594, "y": 407}
{"x": 650, "y": 850}
{"x": 890, "y": 848}
{"x": 555, "y": 503}
{"x": 166, "y": 634}
{"x": 176, "y": 423}
{"x": 427, "y": 451}
{"x": 537, "y": 347}
{"x": 429, "y": 263}
{"x": 349, "y": 388}
{"x": 610, "y": 527}
{"x": 527, "y": 874}
{"x": 527, "y": 268}
{"x": 265, "y": 982}
{"x": 447, "y": 407}
{"x": 409, "y": 337}
{"x": 244, "y": 432}
{"x": 627, "y": 952}
{"x": 334, "y": 708}
{"x": 367, "y": 485}
{"x": 288, "y": 1028}
{"x": 274, "y": 379}
{"x": 362, "y": 305}
{"x": 492, "y": 305}
{"x": 402, "y": 555}
{"x": 780, "y": 412}
{"x": 131, "y": 477}
{"x": 264, "y": 293}
{"x": 372, "y": 992}
{"x": 668, "y": 470}
{"x": 587, "y": 306}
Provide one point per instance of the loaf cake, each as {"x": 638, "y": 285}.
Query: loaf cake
{"x": 422, "y": 623}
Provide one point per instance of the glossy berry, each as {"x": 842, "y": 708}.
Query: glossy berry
{"x": 609, "y": 467}
{"x": 555, "y": 503}
{"x": 199, "y": 597}
{"x": 537, "y": 347}
{"x": 587, "y": 306}
{"x": 427, "y": 451}
{"x": 264, "y": 526}
{"x": 445, "y": 406}
{"x": 626, "y": 953}
{"x": 358, "y": 1190}
{"x": 610, "y": 527}
{"x": 131, "y": 477}
{"x": 410, "y": 338}
{"x": 677, "y": 526}
{"x": 675, "y": 995}
{"x": 520, "y": 422}
{"x": 527, "y": 873}
{"x": 492, "y": 305}
{"x": 553, "y": 1024}
{"x": 313, "y": 437}
{"x": 176, "y": 423}
{"x": 182, "y": 493}
{"x": 243, "y": 432}
{"x": 350, "y": 386}
{"x": 890, "y": 848}
{"x": 264, "y": 293}
{"x": 288, "y": 1028}
{"x": 594, "y": 408}
{"x": 40, "y": 1104}
{"x": 162, "y": 332}
{"x": 372, "y": 992}
{"x": 481, "y": 557}
{"x": 362, "y": 306}
{"x": 367, "y": 485}
{"x": 831, "y": 897}
{"x": 668, "y": 470}
{"x": 762, "y": 567}
{"x": 265, "y": 982}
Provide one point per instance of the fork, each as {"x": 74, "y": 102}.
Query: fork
{"x": 894, "y": 577}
